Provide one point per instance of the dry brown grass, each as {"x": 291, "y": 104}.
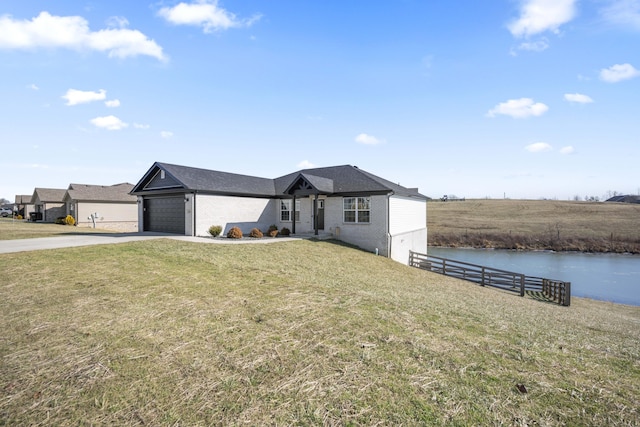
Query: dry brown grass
{"x": 299, "y": 333}
{"x": 535, "y": 224}
{"x": 20, "y": 229}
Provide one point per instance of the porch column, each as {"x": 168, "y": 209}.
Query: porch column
{"x": 293, "y": 215}
{"x": 315, "y": 215}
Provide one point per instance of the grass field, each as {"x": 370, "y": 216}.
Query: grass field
{"x": 297, "y": 333}
{"x": 535, "y": 224}
{"x": 19, "y": 229}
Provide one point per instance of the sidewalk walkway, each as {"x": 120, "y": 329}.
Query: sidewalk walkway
{"x": 75, "y": 240}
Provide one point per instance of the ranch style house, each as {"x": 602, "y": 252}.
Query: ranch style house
{"x": 340, "y": 202}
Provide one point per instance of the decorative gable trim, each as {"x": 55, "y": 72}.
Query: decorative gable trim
{"x": 305, "y": 185}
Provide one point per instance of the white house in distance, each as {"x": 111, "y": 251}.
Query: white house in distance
{"x": 109, "y": 207}
{"x": 343, "y": 202}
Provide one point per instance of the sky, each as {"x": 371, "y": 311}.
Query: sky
{"x": 524, "y": 99}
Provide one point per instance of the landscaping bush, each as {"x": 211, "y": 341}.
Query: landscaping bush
{"x": 18, "y": 216}
{"x": 60, "y": 220}
{"x": 285, "y": 231}
{"x": 256, "y": 233}
{"x": 69, "y": 220}
{"x": 215, "y": 230}
{"x": 234, "y": 233}
{"x": 273, "y": 230}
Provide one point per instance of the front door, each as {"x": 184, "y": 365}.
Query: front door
{"x": 319, "y": 217}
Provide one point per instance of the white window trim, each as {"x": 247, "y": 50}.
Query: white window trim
{"x": 287, "y": 203}
{"x": 356, "y": 210}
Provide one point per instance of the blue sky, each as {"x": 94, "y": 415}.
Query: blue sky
{"x": 523, "y": 99}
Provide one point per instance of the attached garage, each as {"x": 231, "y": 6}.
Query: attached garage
{"x": 164, "y": 214}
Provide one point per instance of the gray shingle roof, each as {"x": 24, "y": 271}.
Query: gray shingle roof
{"x": 101, "y": 193}
{"x": 343, "y": 180}
{"x": 22, "y": 199}
{"x": 48, "y": 195}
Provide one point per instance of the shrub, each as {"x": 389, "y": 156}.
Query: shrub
{"x": 215, "y": 230}
{"x": 273, "y": 230}
{"x": 69, "y": 220}
{"x": 285, "y": 231}
{"x": 18, "y": 216}
{"x": 234, "y": 233}
{"x": 256, "y": 233}
{"x": 60, "y": 220}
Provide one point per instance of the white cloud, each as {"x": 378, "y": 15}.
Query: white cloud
{"x": 205, "y": 14}
{"x": 578, "y": 97}
{"x": 618, "y": 72}
{"x": 141, "y": 126}
{"x": 72, "y": 32}
{"x": 538, "y": 16}
{"x": 365, "y": 139}
{"x": 519, "y": 108}
{"x": 109, "y": 123}
{"x": 538, "y": 147}
{"x": 33, "y": 86}
{"x": 166, "y": 134}
{"x": 306, "y": 164}
{"x": 75, "y": 97}
{"x": 112, "y": 103}
{"x": 625, "y": 13}
{"x": 567, "y": 150}
{"x": 536, "y": 46}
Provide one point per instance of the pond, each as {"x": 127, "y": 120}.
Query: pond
{"x": 606, "y": 277}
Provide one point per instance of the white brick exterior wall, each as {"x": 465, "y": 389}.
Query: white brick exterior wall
{"x": 227, "y": 211}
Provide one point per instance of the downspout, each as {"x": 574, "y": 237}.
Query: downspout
{"x": 194, "y": 227}
{"x": 389, "y": 237}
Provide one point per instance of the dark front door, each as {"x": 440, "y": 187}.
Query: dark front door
{"x": 319, "y": 216}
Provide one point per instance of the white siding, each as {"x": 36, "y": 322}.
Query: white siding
{"x": 228, "y": 211}
{"x": 407, "y": 226}
{"x": 406, "y": 214}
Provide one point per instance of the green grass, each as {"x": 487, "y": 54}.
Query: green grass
{"x": 296, "y": 333}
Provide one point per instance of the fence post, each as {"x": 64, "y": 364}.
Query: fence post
{"x": 521, "y": 285}
{"x": 567, "y": 294}
{"x": 482, "y": 283}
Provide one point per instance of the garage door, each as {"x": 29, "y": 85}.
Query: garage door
{"x": 164, "y": 214}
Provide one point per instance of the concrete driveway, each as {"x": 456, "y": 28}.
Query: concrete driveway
{"x": 81, "y": 239}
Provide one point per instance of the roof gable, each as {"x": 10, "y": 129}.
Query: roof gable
{"x": 102, "y": 193}
{"x": 55, "y": 195}
{"x": 203, "y": 180}
{"x": 305, "y": 184}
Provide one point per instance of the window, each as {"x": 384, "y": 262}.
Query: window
{"x": 357, "y": 209}
{"x": 285, "y": 210}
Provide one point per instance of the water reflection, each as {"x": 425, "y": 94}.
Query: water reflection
{"x": 607, "y": 277}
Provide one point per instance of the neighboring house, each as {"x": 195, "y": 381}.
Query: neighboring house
{"x": 48, "y": 203}
{"x": 23, "y": 205}
{"x": 344, "y": 202}
{"x": 108, "y": 207}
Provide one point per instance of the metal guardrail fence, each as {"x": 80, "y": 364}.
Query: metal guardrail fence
{"x": 553, "y": 290}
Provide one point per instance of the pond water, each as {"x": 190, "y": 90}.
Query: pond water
{"x": 607, "y": 277}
